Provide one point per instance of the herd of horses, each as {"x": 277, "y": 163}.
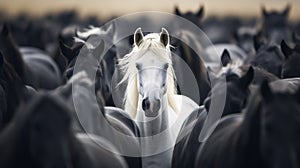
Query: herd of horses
{"x": 53, "y": 115}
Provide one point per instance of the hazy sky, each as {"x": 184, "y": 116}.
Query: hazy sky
{"x": 118, "y": 7}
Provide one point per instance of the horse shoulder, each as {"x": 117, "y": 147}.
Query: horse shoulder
{"x": 100, "y": 151}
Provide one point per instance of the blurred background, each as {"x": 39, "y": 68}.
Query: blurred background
{"x": 107, "y": 9}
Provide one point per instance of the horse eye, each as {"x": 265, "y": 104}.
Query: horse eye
{"x": 164, "y": 84}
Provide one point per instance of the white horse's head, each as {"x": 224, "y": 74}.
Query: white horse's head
{"x": 149, "y": 73}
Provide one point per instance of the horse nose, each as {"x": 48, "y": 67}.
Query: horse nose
{"x": 146, "y": 104}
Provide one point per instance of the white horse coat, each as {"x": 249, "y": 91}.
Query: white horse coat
{"x": 151, "y": 98}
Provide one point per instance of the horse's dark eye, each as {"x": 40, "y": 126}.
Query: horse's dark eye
{"x": 164, "y": 84}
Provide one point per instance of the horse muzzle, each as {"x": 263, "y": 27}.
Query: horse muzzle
{"x": 151, "y": 107}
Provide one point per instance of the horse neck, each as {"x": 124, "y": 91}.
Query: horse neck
{"x": 14, "y": 145}
{"x": 157, "y": 125}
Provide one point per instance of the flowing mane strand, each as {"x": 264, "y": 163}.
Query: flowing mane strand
{"x": 151, "y": 43}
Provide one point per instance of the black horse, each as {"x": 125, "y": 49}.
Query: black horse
{"x": 268, "y": 57}
{"x": 40, "y": 136}
{"x": 195, "y": 17}
{"x": 265, "y": 135}
{"x": 33, "y": 66}
{"x": 275, "y": 25}
{"x": 187, "y": 142}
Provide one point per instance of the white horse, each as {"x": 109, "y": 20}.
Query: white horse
{"x": 151, "y": 97}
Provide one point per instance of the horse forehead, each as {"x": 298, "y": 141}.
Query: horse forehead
{"x": 149, "y": 59}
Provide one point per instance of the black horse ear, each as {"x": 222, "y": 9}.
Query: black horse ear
{"x": 225, "y": 58}
{"x": 200, "y": 12}
{"x": 246, "y": 80}
{"x": 266, "y": 92}
{"x": 5, "y": 29}
{"x": 164, "y": 37}
{"x": 177, "y": 11}
{"x": 264, "y": 11}
{"x": 138, "y": 36}
{"x": 286, "y": 50}
{"x": 286, "y": 11}
{"x": 235, "y": 35}
{"x": 259, "y": 40}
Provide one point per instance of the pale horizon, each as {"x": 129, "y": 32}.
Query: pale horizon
{"x": 105, "y": 9}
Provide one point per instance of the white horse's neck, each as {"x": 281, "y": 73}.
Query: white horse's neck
{"x": 152, "y": 127}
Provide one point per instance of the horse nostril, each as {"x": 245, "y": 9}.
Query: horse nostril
{"x": 145, "y": 104}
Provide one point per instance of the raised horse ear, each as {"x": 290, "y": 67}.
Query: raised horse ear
{"x": 5, "y": 30}
{"x": 200, "y": 11}
{"x": 286, "y": 50}
{"x": 266, "y": 92}
{"x": 138, "y": 36}
{"x": 225, "y": 58}
{"x": 111, "y": 29}
{"x": 286, "y": 11}
{"x": 259, "y": 40}
{"x": 246, "y": 80}
{"x": 164, "y": 37}
{"x": 264, "y": 11}
{"x": 177, "y": 11}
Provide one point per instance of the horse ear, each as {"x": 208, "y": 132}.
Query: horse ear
{"x": 225, "y": 58}
{"x": 264, "y": 11}
{"x": 235, "y": 35}
{"x": 259, "y": 40}
{"x": 266, "y": 92}
{"x": 138, "y": 36}
{"x": 286, "y": 50}
{"x": 246, "y": 80}
{"x": 164, "y": 37}
{"x": 111, "y": 30}
{"x": 200, "y": 12}
{"x": 177, "y": 11}
{"x": 5, "y": 29}
{"x": 286, "y": 11}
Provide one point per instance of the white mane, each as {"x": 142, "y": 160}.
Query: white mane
{"x": 151, "y": 42}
